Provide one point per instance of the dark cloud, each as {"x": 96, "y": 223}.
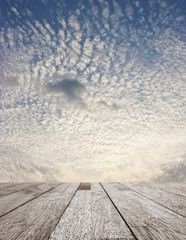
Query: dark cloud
{"x": 172, "y": 173}
{"x": 73, "y": 89}
{"x": 68, "y": 85}
{"x": 10, "y": 81}
{"x": 113, "y": 106}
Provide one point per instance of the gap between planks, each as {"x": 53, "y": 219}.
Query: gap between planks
{"x": 118, "y": 211}
{"x": 138, "y": 192}
{"x": 65, "y": 209}
{"x": 44, "y": 210}
{"x": 18, "y": 187}
{"x": 144, "y": 216}
{"x": 21, "y": 191}
{"x": 136, "y": 229}
{"x": 91, "y": 215}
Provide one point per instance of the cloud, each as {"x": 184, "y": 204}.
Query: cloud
{"x": 174, "y": 172}
{"x": 30, "y": 167}
{"x": 131, "y": 61}
{"x": 69, "y": 86}
{"x": 112, "y": 106}
{"x": 10, "y": 81}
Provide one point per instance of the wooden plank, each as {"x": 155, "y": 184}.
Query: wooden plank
{"x": 7, "y": 184}
{"x": 155, "y": 233}
{"x": 14, "y": 200}
{"x": 15, "y": 187}
{"x": 91, "y": 215}
{"x": 37, "y": 219}
{"x": 170, "y": 200}
{"x": 85, "y": 186}
{"x": 141, "y": 213}
{"x": 106, "y": 221}
{"x": 177, "y": 188}
{"x": 76, "y": 220}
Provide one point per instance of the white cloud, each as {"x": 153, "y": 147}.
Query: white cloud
{"x": 15, "y": 11}
{"x": 74, "y": 23}
{"x": 130, "y": 118}
{"x": 137, "y": 4}
{"x": 129, "y": 11}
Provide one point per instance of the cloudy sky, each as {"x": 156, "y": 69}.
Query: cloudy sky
{"x": 92, "y": 90}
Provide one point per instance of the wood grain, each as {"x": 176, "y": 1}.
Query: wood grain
{"x": 173, "y": 187}
{"x": 85, "y": 186}
{"x": 170, "y": 200}
{"x": 106, "y": 221}
{"x": 16, "y": 199}
{"x": 155, "y": 233}
{"x": 14, "y": 188}
{"x": 7, "y": 184}
{"x": 142, "y": 213}
{"x": 91, "y": 215}
{"x": 76, "y": 221}
{"x": 36, "y": 219}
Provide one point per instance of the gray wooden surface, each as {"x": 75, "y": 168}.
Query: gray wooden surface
{"x": 58, "y": 211}
{"x": 16, "y": 199}
{"x": 8, "y": 189}
{"x": 168, "y": 199}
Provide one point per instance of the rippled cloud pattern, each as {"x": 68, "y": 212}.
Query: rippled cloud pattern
{"x": 92, "y": 90}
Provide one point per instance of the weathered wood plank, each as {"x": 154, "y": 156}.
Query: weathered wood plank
{"x": 37, "y": 219}
{"x": 76, "y": 220}
{"x": 15, "y": 187}
{"x": 144, "y": 215}
{"x": 154, "y": 233}
{"x": 91, "y": 215}
{"x": 106, "y": 221}
{"x": 177, "y": 188}
{"x": 16, "y": 199}
{"x": 85, "y": 186}
{"x": 7, "y": 184}
{"x": 170, "y": 200}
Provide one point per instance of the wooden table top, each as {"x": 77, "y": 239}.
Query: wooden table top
{"x": 65, "y": 210}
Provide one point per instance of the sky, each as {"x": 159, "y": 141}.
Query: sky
{"x": 92, "y": 90}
